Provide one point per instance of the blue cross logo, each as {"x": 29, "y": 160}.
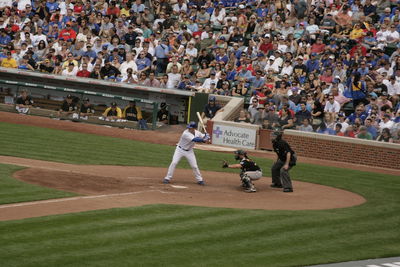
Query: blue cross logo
{"x": 217, "y": 132}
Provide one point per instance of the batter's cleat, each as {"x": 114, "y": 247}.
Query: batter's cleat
{"x": 276, "y": 186}
{"x": 165, "y": 181}
{"x": 287, "y": 190}
{"x": 250, "y": 190}
{"x": 201, "y": 183}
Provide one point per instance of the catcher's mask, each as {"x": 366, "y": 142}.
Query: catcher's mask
{"x": 238, "y": 153}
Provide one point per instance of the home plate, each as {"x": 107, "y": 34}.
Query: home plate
{"x": 179, "y": 186}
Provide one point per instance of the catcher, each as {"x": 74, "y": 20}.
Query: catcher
{"x": 250, "y": 170}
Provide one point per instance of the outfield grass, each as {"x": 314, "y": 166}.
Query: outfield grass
{"x": 166, "y": 235}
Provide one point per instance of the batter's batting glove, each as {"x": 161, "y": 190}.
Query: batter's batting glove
{"x": 206, "y": 137}
{"x": 225, "y": 164}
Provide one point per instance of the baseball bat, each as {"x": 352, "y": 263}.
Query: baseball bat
{"x": 201, "y": 122}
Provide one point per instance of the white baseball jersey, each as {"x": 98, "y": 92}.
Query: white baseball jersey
{"x": 185, "y": 142}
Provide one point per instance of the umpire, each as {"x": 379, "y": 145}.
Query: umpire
{"x": 286, "y": 160}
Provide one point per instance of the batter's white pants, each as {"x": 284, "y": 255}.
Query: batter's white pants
{"x": 191, "y": 158}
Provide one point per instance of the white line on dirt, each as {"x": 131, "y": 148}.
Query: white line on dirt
{"x": 79, "y": 198}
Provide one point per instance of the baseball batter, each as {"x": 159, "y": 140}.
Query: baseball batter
{"x": 185, "y": 149}
{"x": 250, "y": 170}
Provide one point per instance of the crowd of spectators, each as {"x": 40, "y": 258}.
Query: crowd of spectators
{"x": 331, "y": 66}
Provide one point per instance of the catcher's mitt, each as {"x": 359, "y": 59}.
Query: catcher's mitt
{"x": 225, "y": 164}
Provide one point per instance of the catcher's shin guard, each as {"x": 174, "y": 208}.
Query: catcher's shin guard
{"x": 246, "y": 181}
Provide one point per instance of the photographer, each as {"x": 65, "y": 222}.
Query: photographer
{"x": 130, "y": 77}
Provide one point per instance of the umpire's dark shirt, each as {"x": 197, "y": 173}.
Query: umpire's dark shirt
{"x": 281, "y": 148}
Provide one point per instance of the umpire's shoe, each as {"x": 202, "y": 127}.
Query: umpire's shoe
{"x": 276, "y": 185}
{"x": 165, "y": 181}
{"x": 288, "y": 190}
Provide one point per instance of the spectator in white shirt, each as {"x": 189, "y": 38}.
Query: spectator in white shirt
{"x": 332, "y": 106}
{"x": 174, "y": 78}
{"x": 129, "y": 63}
{"x": 207, "y": 82}
{"x": 386, "y": 122}
{"x": 71, "y": 70}
{"x": 287, "y": 68}
{"x": 393, "y": 88}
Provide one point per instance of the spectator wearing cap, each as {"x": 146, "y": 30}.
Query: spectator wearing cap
{"x": 210, "y": 109}
{"x": 143, "y": 63}
{"x": 68, "y": 33}
{"x": 258, "y": 117}
{"x": 208, "y": 81}
{"x": 383, "y": 101}
{"x": 108, "y": 70}
{"x": 52, "y": 6}
{"x": 295, "y": 97}
{"x": 89, "y": 52}
{"x": 113, "y": 112}
{"x": 186, "y": 83}
{"x": 202, "y": 17}
{"x": 313, "y": 63}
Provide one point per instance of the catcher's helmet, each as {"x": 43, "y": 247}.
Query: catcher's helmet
{"x": 192, "y": 124}
{"x": 240, "y": 152}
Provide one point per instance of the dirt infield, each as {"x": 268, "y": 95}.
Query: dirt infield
{"x": 116, "y": 186}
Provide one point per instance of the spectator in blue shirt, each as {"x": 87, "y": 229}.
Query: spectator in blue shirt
{"x": 4, "y": 38}
{"x": 262, "y": 10}
{"x": 313, "y": 63}
{"x": 186, "y": 84}
{"x": 161, "y": 53}
{"x": 51, "y": 6}
{"x": 363, "y": 69}
{"x": 387, "y": 14}
{"x": 89, "y": 52}
{"x": 143, "y": 63}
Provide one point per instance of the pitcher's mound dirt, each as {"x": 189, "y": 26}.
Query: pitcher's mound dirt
{"x": 123, "y": 186}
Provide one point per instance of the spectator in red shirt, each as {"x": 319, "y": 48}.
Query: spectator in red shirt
{"x": 68, "y": 32}
{"x": 84, "y": 72}
{"x": 113, "y": 10}
{"x": 318, "y": 47}
{"x": 266, "y": 44}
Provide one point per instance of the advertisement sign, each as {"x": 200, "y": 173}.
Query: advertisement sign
{"x": 230, "y": 135}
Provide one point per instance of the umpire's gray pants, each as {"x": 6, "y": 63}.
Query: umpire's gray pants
{"x": 280, "y": 176}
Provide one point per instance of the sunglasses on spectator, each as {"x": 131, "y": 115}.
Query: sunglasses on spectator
{"x": 331, "y": 98}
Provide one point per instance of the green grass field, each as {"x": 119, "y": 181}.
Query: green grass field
{"x": 166, "y": 235}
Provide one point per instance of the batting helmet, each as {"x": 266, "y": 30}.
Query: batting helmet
{"x": 192, "y": 124}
